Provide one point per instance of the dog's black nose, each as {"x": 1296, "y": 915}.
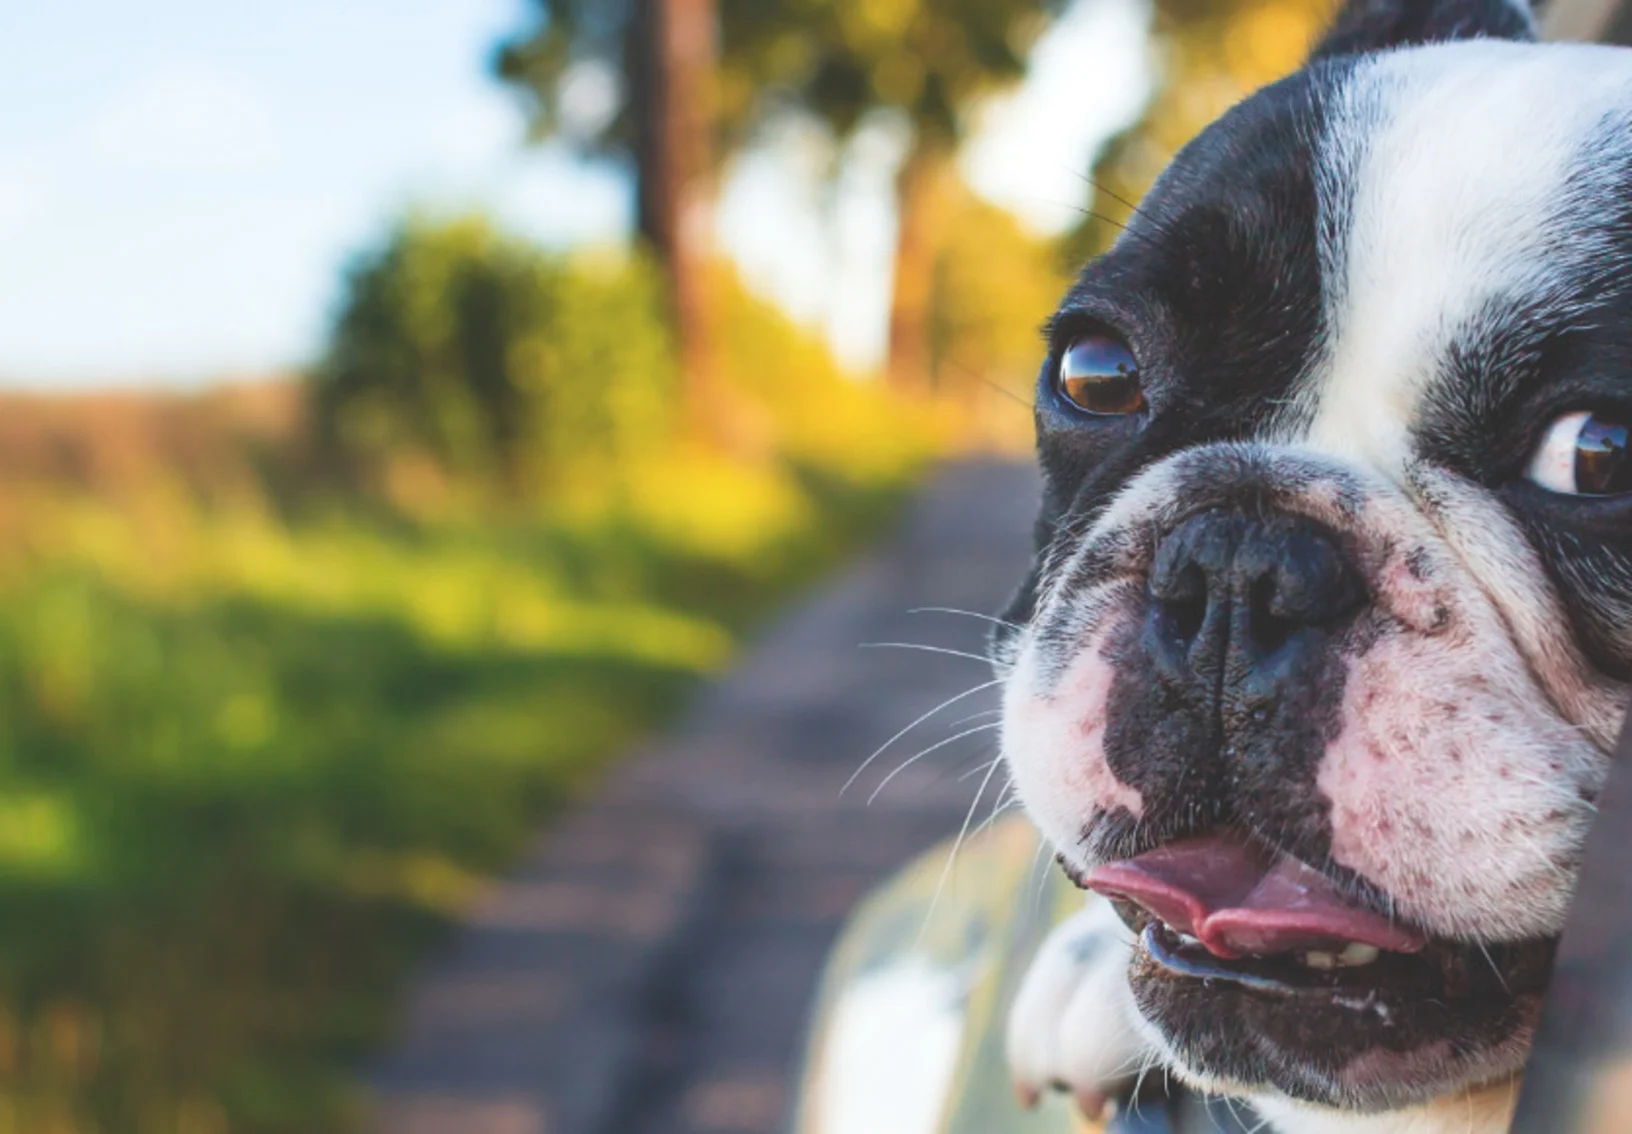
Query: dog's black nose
{"x": 1245, "y": 599}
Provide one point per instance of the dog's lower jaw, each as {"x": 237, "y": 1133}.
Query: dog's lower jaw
{"x": 1074, "y": 1026}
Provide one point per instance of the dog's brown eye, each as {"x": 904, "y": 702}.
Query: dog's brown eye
{"x": 1099, "y": 374}
{"x": 1584, "y": 454}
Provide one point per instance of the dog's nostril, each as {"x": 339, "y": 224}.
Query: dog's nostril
{"x": 1268, "y": 628}
{"x": 1184, "y": 603}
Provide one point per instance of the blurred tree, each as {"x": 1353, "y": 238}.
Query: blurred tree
{"x": 928, "y": 61}
{"x": 636, "y": 77}
{"x": 494, "y": 362}
{"x": 1210, "y": 54}
{"x": 838, "y": 60}
{"x": 991, "y": 280}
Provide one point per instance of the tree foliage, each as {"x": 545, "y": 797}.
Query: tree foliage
{"x": 835, "y": 59}
{"x": 840, "y": 59}
{"x": 539, "y": 64}
{"x": 493, "y": 359}
{"x": 476, "y": 358}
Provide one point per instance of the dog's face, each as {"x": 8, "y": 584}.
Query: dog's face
{"x": 1330, "y": 627}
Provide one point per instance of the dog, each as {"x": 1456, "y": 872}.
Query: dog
{"x": 1328, "y": 637}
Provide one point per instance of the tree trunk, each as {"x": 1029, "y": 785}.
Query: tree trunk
{"x": 920, "y": 195}
{"x": 671, "y": 75}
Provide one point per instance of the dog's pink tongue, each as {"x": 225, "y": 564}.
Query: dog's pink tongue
{"x": 1239, "y": 902}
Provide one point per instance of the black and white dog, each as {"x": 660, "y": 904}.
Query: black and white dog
{"x": 1329, "y": 632}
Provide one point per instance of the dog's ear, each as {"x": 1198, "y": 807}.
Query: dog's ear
{"x": 1376, "y": 25}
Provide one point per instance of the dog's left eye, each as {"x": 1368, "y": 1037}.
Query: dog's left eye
{"x": 1100, "y": 375}
{"x": 1583, "y": 454}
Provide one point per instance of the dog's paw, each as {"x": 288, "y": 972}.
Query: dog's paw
{"x": 1072, "y": 1023}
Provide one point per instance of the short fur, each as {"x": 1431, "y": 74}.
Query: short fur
{"x": 1357, "y": 302}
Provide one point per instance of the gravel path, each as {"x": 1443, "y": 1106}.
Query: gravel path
{"x": 647, "y": 968}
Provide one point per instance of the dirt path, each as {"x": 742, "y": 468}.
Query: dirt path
{"x": 648, "y": 967}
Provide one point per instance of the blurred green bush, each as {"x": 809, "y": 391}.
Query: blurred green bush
{"x": 500, "y": 363}
{"x": 283, "y": 672}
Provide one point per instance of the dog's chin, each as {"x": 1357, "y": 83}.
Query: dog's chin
{"x": 1401, "y": 1030}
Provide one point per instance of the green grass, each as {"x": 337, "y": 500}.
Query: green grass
{"x": 248, "y": 772}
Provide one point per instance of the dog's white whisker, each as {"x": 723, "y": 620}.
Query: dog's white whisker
{"x": 1150, "y": 1061}
{"x": 978, "y": 768}
{"x": 882, "y": 748}
{"x": 936, "y": 747}
{"x": 1494, "y": 967}
{"x": 975, "y": 717}
{"x": 993, "y": 619}
{"x": 947, "y": 650}
{"x": 952, "y": 855}
{"x": 997, "y": 813}
{"x": 1546, "y": 860}
{"x": 1006, "y": 801}
{"x": 1261, "y": 1124}
{"x": 1126, "y": 1066}
{"x": 1040, "y": 858}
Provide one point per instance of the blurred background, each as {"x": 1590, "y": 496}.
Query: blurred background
{"x": 406, "y": 406}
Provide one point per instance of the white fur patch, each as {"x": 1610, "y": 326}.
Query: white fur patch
{"x": 1054, "y": 741}
{"x": 1454, "y": 787}
{"x": 1450, "y": 174}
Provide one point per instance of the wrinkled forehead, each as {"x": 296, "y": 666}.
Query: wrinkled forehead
{"x": 1435, "y": 210}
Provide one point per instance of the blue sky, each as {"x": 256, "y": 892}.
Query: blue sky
{"x": 180, "y": 180}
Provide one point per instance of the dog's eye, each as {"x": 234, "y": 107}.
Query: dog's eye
{"x": 1583, "y": 454}
{"x": 1100, "y": 375}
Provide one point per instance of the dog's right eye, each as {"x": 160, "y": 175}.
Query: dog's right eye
{"x": 1583, "y": 454}
{"x": 1099, "y": 375}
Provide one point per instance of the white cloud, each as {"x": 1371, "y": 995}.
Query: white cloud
{"x": 187, "y": 117}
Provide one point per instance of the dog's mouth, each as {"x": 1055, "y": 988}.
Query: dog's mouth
{"x": 1221, "y": 908}
{"x": 1357, "y": 976}
{"x": 1243, "y": 949}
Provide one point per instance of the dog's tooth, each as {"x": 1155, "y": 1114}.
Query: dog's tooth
{"x": 1315, "y": 959}
{"x": 1357, "y": 953}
